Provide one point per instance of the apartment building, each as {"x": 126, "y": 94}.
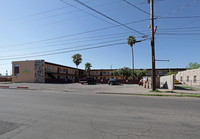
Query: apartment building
{"x": 104, "y": 74}
{"x": 107, "y": 73}
{"x": 189, "y": 77}
{"x": 39, "y": 71}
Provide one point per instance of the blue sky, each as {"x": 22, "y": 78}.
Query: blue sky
{"x": 31, "y": 28}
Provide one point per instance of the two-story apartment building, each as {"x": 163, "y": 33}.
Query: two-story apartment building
{"x": 107, "y": 73}
{"x": 39, "y": 71}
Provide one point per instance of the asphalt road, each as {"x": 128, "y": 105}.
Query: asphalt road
{"x": 34, "y": 114}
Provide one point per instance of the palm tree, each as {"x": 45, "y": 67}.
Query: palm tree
{"x": 87, "y": 68}
{"x": 77, "y": 60}
{"x": 131, "y": 41}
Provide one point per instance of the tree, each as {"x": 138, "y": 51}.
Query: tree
{"x": 115, "y": 73}
{"x": 77, "y": 59}
{"x": 131, "y": 41}
{"x": 124, "y": 72}
{"x": 140, "y": 73}
{"x": 87, "y": 68}
{"x": 192, "y": 65}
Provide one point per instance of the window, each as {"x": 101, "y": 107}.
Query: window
{"x": 16, "y": 70}
{"x": 104, "y": 72}
{"x": 195, "y": 79}
{"x": 188, "y": 78}
{"x": 181, "y": 78}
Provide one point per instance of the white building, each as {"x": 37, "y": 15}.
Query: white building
{"x": 189, "y": 77}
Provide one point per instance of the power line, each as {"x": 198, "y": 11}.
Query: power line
{"x": 85, "y": 45}
{"x": 77, "y": 17}
{"x": 181, "y": 8}
{"x": 85, "y": 11}
{"x": 61, "y": 49}
{"x": 77, "y": 40}
{"x": 114, "y": 44}
{"x": 179, "y": 38}
{"x": 70, "y": 35}
{"x": 108, "y": 17}
{"x": 136, "y": 7}
{"x": 73, "y": 11}
{"x": 178, "y": 17}
{"x": 47, "y": 11}
{"x": 182, "y": 34}
{"x": 179, "y": 28}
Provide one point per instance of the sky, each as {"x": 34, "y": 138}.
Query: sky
{"x": 54, "y": 30}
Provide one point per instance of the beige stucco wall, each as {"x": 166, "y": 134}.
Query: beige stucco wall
{"x": 190, "y": 74}
{"x": 167, "y": 82}
{"x": 26, "y": 71}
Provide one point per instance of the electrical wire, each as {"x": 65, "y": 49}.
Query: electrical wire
{"x": 107, "y": 17}
{"x": 85, "y": 11}
{"x": 181, "y": 8}
{"x": 70, "y": 35}
{"x": 66, "y": 42}
{"x": 61, "y": 49}
{"x": 48, "y": 11}
{"x": 54, "y": 53}
{"x": 136, "y": 7}
{"x": 74, "y": 11}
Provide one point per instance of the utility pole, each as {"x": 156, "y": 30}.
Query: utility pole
{"x": 152, "y": 46}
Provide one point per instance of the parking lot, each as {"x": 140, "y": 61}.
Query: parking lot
{"x": 79, "y": 88}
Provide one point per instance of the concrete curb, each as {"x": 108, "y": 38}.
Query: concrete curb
{"x": 4, "y": 86}
{"x": 22, "y": 87}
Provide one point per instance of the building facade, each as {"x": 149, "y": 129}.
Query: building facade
{"x": 39, "y": 71}
{"x": 189, "y": 77}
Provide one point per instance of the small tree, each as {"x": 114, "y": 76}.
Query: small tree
{"x": 77, "y": 59}
{"x": 88, "y": 68}
{"x": 192, "y": 65}
{"x": 125, "y": 72}
{"x": 140, "y": 73}
{"x": 115, "y": 73}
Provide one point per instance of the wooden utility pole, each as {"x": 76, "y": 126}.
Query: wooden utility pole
{"x": 152, "y": 46}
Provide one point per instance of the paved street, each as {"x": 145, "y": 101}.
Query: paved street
{"x": 51, "y": 114}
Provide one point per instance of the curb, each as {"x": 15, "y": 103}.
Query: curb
{"x": 21, "y": 87}
{"x": 4, "y": 86}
